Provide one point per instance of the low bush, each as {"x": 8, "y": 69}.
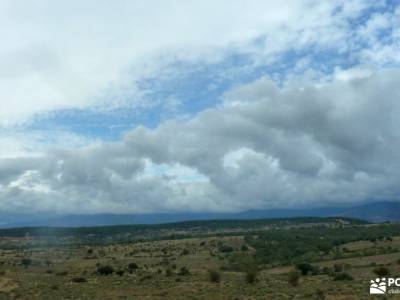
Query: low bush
{"x": 184, "y": 271}
{"x": 338, "y": 268}
{"x": 168, "y": 272}
{"x": 319, "y": 294}
{"x": 105, "y": 270}
{"x": 381, "y": 271}
{"x": 62, "y": 273}
{"x": 78, "y": 279}
{"x": 133, "y": 266}
{"x": 225, "y": 249}
{"x": 316, "y": 271}
{"x": 294, "y": 278}
{"x": 327, "y": 271}
{"x": 214, "y": 276}
{"x": 304, "y": 268}
{"x": 26, "y": 262}
{"x": 146, "y": 277}
{"x": 251, "y": 275}
{"x": 343, "y": 276}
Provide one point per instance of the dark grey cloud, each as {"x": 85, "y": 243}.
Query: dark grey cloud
{"x": 302, "y": 144}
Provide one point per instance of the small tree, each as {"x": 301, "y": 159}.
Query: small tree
{"x": 338, "y": 267}
{"x": 294, "y": 278}
{"x": 304, "y": 268}
{"x": 105, "y": 270}
{"x": 78, "y": 279}
{"x": 382, "y": 271}
{"x": 251, "y": 275}
{"x": 327, "y": 270}
{"x": 168, "y": 272}
{"x": 342, "y": 276}
{"x": 184, "y": 271}
{"x": 316, "y": 271}
{"x": 26, "y": 262}
{"x": 225, "y": 249}
{"x": 133, "y": 266}
{"x": 214, "y": 276}
{"x": 319, "y": 294}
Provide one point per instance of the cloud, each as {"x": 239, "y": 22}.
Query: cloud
{"x": 319, "y": 126}
{"x": 82, "y": 54}
{"x": 295, "y": 145}
{"x": 22, "y": 143}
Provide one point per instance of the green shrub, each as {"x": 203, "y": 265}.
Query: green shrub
{"x": 133, "y": 266}
{"x": 225, "y": 249}
{"x": 184, "y": 271}
{"x": 343, "y": 276}
{"x": 327, "y": 271}
{"x": 214, "y": 276}
{"x": 26, "y": 262}
{"x": 294, "y": 278}
{"x": 168, "y": 272}
{"x": 105, "y": 270}
{"x": 304, "y": 268}
{"x": 78, "y": 279}
{"x": 244, "y": 248}
{"x": 251, "y": 275}
{"x": 239, "y": 262}
{"x": 338, "y": 268}
{"x": 316, "y": 271}
{"x": 146, "y": 277}
{"x": 62, "y": 273}
{"x": 319, "y": 294}
{"x": 381, "y": 271}
{"x": 120, "y": 272}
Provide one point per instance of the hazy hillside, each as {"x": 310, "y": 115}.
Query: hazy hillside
{"x": 373, "y": 212}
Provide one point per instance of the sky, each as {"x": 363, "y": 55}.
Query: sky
{"x": 201, "y": 106}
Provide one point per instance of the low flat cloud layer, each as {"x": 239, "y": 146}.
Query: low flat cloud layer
{"x": 266, "y": 146}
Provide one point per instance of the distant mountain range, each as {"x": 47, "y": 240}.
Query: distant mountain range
{"x": 373, "y": 212}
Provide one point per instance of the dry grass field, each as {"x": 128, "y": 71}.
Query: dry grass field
{"x": 178, "y": 269}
